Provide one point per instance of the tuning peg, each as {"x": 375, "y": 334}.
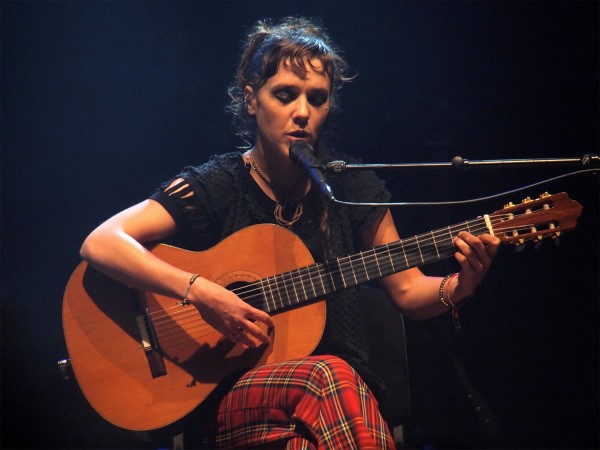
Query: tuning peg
{"x": 555, "y": 235}
{"x": 519, "y": 247}
{"x": 526, "y": 199}
{"x": 536, "y": 238}
{"x": 509, "y": 204}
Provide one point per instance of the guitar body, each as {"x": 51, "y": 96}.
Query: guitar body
{"x": 102, "y": 324}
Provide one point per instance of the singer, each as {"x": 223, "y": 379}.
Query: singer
{"x": 284, "y": 93}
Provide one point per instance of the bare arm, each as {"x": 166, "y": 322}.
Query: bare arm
{"x": 417, "y": 295}
{"x": 116, "y": 248}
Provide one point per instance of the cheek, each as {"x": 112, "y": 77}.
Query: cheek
{"x": 321, "y": 119}
{"x": 271, "y": 116}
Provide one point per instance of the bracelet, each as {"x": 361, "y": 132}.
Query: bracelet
{"x": 448, "y": 303}
{"x": 193, "y": 278}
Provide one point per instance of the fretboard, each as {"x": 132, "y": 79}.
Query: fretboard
{"x": 314, "y": 281}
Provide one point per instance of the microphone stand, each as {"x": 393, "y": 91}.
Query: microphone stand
{"x": 586, "y": 161}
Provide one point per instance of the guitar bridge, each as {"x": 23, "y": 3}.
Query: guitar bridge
{"x": 147, "y": 344}
{"x": 150, "y": 344}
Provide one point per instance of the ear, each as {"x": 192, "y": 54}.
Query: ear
{"x": 250, "y": 100}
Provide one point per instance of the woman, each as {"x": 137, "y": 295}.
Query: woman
{"x": 285, "y": 90}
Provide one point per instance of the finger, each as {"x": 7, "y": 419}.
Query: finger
{"x": 257, "y": 314}
{"x": 467, "y": 256}
{"x": 480, "y": 247}
{"x": 259, "y": 331}
{"x": 492, "y": 244}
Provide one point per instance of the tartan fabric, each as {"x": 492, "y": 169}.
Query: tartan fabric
{"x": 319, "y": 402}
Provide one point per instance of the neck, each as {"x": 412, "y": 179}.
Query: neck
{"x": 283, "y": 180}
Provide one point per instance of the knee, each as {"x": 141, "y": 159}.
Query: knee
{"x": 335, "y": 370}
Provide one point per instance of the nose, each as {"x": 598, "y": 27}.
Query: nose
{"x": 302, "y": 111}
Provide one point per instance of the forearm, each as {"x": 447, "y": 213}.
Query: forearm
{"x": 417, "y": 295}
{"x": 121, "y": 257}
{"x": 117, "y": 249}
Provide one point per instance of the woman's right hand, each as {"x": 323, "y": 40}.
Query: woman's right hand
{"x": 228, "y": 314}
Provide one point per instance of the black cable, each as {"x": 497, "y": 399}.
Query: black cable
{"x": 474, "y": 200}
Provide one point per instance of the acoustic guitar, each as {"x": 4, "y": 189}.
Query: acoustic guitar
{"x": 144, "y": 361}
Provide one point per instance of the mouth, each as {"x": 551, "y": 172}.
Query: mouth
{"x": 297, "y": 135}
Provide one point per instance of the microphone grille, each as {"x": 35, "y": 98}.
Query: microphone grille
{"x": 298, "y": 148}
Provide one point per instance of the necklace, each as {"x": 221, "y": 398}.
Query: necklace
{"x": 279, "y": 206}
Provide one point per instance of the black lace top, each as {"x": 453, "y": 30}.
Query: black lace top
{"x": 220, "y": 197}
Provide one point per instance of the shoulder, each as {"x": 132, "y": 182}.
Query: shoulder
{"x": 221, "y": 165}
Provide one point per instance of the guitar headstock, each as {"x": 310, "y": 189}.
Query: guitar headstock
{"x": 533, "y": 220}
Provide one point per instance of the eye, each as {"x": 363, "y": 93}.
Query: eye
{"x": 318, "y": 99}
{"x": 285, "y": 96}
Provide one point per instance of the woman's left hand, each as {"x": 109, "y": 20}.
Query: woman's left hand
{"x": 475, "y": 256}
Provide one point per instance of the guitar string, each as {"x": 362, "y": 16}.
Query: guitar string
{"x": 241, "y": 291}
{"x": 198, "y": 331}
{"x": 259, "y": 292}
{"x": 341, "y": 261}
{"x": 165, "y": 335}
{"x": 406, "y": 244}
{"x": 207, "y": 326}
{"x": 189, "y": 332}
{"x": 344, "y": 262}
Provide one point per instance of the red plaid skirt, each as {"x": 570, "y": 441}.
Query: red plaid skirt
{"x": 318, "y": 402}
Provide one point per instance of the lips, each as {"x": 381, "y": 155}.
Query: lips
{"x": 299, "y": 134}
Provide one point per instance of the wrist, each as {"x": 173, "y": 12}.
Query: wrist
{"x": 456, "y": 290}
{"x": 445, "y": 294}
{"x": 192, "y": 280}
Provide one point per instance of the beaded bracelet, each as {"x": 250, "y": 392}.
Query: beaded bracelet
{"x": 193, "y": 278}
{"x": 448, "y": 303}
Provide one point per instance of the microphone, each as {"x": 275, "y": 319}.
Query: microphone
{"x": 302, "y": 154}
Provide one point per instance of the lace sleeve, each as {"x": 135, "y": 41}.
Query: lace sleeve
{"x": 183, "y": 200}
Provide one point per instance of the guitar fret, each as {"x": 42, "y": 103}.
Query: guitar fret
{"x": 362, "y": 260}
{"x": 419, "y": 248}
{"x": 262, "y": 284}
{"x": 351, "y": 262}
{"x": 387, "y": 247}
{"x": 404, "y": 253}
{"x": 295, "y": 296}
{"x": 303, "y": 288}
{"x": 319, "y": 272}
{"x": 310, "y": 278}
{"x": 280, "y": 294}
{"x": 331, "y": 278}
{"x": 377, "y": 266}
{"x": 342, "y": 272}
{"x": 435, "y": 245}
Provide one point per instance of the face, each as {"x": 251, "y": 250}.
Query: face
{"x": 288, "y": 108}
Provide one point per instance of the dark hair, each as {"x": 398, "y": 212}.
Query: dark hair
{"x": 294, "y": 41}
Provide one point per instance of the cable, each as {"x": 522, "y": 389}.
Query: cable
{"x": 474, "y": 200}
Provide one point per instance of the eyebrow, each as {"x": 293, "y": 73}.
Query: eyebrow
{"x": 295, "y": 86}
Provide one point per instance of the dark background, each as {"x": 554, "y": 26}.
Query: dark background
{"x": 102, "y": 101}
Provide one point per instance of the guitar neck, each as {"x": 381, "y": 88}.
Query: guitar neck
{"x": 307, "y": 283}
